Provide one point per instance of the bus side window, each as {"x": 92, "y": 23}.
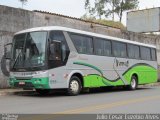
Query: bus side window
{"x": 102, "y": 47}
{"x": 61, "y": 50}
{"x": 145, "y": 53}
{"x": 119, "y": 49}
{"x": 133, "y": 51}
{"x": 83, "y": 44}
{"x": 55, "y": 51}
{"x": 153, "y": 54}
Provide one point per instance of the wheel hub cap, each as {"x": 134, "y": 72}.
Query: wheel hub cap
{"x": 74, "y": 86}
{"x": 133, "y": 83}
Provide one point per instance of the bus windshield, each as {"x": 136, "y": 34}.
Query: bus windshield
{"x": 28, "y": 50}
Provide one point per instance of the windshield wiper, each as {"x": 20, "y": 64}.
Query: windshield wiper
{"x": 17, "y": 59}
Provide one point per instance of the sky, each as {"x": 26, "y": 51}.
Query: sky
{"x": 73, "y": 8}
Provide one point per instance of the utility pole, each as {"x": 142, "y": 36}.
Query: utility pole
{"x": 113, "y": 3}
{"x": 23, "y": 2}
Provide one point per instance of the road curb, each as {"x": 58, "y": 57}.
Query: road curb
{"x": 4, "y": 92}
{"x": 151, "y": 85}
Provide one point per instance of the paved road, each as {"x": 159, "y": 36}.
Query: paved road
{"x": 143, "y": 100}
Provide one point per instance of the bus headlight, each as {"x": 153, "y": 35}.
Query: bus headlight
{"x": 11, "y": 81}
{"x": 37, "y": 81}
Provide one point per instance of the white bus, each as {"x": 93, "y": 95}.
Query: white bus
{"x": 55, "y": 57}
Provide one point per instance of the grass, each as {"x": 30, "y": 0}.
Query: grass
{"x": 109, "y": 23}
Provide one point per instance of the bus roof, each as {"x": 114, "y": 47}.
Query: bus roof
{"x": 49, "y": 28}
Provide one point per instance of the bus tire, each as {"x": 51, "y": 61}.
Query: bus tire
{"x": 75, "y": 86}
{"x": 42, "y": 91}
{"x": 134, "y": 83}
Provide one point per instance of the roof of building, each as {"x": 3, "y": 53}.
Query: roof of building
{"x": 83, "y": 20}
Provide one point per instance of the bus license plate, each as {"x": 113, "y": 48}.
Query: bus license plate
{"x": 21, "y": 83}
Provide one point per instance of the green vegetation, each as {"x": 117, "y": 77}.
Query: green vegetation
{"x": 111, "y": 23}
{"x": 106, "y": 8}
{"x": 104, "y": 22}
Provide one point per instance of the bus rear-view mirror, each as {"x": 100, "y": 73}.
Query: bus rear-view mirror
{"x": 55, "y": 51}
{"x": 7, "y": 51}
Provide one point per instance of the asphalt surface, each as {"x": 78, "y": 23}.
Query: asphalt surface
{"x": 142, "y": 100}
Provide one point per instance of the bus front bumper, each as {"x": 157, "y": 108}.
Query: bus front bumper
{"x": 37, "y": 83}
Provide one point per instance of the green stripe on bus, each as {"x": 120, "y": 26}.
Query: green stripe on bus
{"x": 89, "y": 65}
{"x": 146, "y": 74}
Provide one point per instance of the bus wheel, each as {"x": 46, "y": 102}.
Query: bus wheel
{"x": 74, "y": 86}
{"x": 42, "y": 91}
{"x": 134, "y": 83}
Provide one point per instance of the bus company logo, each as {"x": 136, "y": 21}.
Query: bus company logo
{"x": 122, "y": 63}
{"x": 9, "y": 117}
{"x": 24, "y": 73}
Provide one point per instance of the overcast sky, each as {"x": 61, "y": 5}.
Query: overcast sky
{"x": 73, "y": 8}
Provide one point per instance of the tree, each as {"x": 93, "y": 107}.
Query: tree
{"x": 125, "y": 5}
{"x": 98, "y": 9}
{"x": 110, "y": 7}
{"x": 23, "y": 2}
{"x": 89, "y": 18}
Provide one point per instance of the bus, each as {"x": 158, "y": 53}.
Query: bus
{"x": 55, "y": 57}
